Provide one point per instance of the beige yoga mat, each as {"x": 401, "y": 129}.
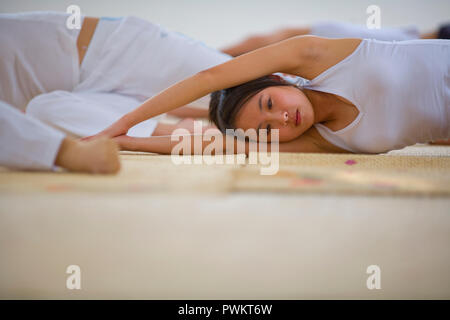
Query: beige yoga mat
{"x": 140, "y": 173}
{"x": 322, "y": 173}
{"x": 350, "y": 174}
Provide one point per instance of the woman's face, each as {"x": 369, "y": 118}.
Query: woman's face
{"x": 281, "y": 107}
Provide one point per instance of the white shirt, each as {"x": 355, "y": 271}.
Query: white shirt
{"x": 401, "y": 89}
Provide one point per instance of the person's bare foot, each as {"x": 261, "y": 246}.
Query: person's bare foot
{"x": 187, "y": 123}
{"x": 94, "y": 156}
{"x": 441, "y": 142}
{"x": 257, "y": 41}
{"x": 429, "y": 35}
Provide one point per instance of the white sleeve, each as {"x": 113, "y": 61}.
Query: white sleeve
{"x": 333, "y": 29}
{"x": 25, "y": 142}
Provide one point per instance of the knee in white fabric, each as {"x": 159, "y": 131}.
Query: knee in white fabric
{"x": 42, "y": 106}
{"x": 82, "y": 114}
{"x": 53, "y": 108}
{"x": 25, "y": 142}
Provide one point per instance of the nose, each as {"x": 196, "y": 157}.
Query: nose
{"x": 285, "y": 117}
{"x": 281, "y": 117}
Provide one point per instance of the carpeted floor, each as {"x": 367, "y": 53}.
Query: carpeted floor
{"x": 159, "y": 231}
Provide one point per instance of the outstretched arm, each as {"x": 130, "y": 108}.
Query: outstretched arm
{"x": 165, "y": 145}
{"x": 306, "y": 56}
{"x": 308, "y": 142}
{"x": 285, "y": 56}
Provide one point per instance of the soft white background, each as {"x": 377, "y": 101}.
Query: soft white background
{"x": 219, "y": 23}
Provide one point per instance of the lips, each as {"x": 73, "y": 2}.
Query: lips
{"x": 297, "y": 118}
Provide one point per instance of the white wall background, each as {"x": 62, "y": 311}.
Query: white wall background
{"x": 219, "y": 23}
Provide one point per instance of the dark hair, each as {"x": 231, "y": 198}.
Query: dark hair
{"x": 225, "y": 104}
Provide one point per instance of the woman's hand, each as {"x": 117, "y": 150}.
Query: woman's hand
{"x": 118, "y": 128}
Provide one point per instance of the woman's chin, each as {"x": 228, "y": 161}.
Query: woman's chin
{"x": 288, "y": 138}
{"x": 291, "y": 136}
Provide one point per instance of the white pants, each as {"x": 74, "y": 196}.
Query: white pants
{"x": 85, "y": 113}
{"x": 128, "y": 61}
{"x": 26, "y": 71}
{"x": 26, "y": 143}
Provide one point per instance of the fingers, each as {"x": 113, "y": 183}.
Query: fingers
{"x": 88, "y": 138}
{"x": 96, "y": 136}
{"x": 116, "y": 129}
{"x": 108, "y": 133}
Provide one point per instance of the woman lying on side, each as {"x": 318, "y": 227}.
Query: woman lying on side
{"x": 362, "y": 96}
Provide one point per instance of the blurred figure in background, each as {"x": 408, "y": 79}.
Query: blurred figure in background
{"x": 334, "y": 30}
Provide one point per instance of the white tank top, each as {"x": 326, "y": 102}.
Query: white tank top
{"x": 401, "y": 89}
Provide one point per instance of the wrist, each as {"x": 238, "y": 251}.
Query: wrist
{"x": 126, "y": 121}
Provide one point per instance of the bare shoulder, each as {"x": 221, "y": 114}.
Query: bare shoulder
{"x": 311, "y": 141}
{"x": 314, "y": 134}
{"x": 319, "y": 54}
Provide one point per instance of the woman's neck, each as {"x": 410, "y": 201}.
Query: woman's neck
{"x": 322, "y": 104}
